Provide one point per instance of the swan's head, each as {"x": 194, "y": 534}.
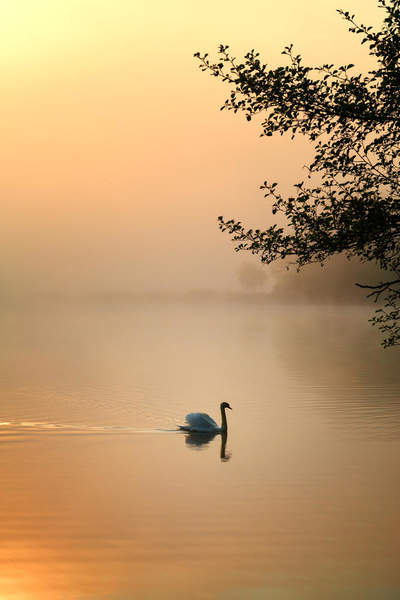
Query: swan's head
{"x": 225, "y": 405}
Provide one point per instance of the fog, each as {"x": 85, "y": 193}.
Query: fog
{"x": 116, "y": 160}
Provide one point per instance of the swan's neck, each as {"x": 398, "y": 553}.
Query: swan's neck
{"x": 223, "y": 419}
{"x": 224, "y": 437}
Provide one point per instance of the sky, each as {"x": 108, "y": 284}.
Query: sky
{"x": 116, "y": 159}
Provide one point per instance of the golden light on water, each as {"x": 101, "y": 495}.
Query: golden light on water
{"x": 102, "y": 496}
{"x": 116, "y": 161}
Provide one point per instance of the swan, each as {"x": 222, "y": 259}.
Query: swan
{"x": 202, "y": 423}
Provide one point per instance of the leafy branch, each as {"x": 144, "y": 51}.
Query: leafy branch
{"x": 350, "y": 201}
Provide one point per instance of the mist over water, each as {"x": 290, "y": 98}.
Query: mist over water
{"x": 104, "y": 498}
{"x": 123, "y": 308}
{"x": 116, "y": 158}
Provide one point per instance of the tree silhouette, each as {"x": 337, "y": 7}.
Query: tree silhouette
{"x": 350, "y": 200}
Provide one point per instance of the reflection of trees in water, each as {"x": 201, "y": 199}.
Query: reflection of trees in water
{"x": 348, "y": 374}
{"x": 197, "y": 441}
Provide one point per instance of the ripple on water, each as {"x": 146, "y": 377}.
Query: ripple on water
{"x": 23, "y": 430}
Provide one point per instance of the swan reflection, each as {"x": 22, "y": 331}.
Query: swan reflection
{"x": 197, "y": 441}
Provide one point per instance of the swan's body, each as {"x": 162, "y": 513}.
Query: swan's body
{"x": 203, "y": 423}
{"x": 200, "y": 422}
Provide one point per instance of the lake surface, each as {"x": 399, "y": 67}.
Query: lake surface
{"x": 102, "y": 499}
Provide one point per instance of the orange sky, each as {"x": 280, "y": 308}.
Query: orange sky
{"x": 115, "y": 157}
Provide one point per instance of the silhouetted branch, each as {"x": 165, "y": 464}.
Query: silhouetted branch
{"x": 380, "y": 288}
{"x": 350, "y": 201}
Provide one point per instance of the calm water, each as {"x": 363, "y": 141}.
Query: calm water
{"x": 102, "y": 500}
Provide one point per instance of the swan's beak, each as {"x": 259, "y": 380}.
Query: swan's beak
{"x": 229, "y": 407}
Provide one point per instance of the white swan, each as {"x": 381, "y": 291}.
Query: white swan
{"x": 202, "y": 423}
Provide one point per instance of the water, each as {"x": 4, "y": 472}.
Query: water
{"x": 102, "y": 499}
